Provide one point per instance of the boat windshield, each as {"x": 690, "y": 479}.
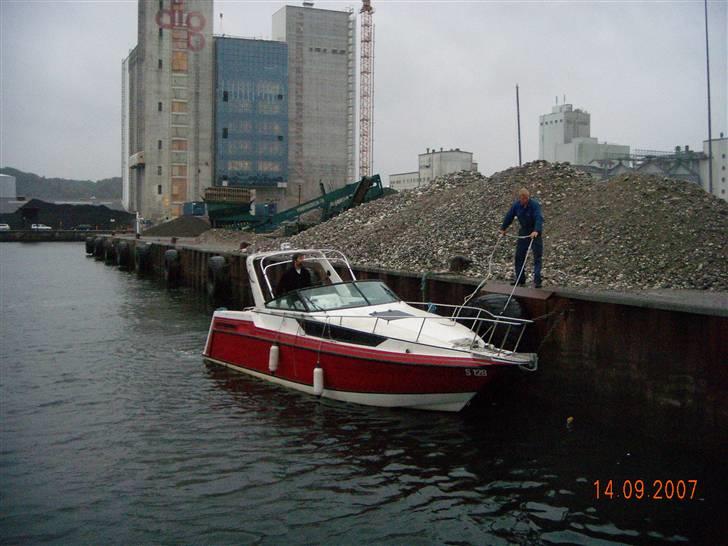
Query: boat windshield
{"x": 335, "y": 296}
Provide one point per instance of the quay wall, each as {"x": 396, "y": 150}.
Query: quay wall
{"x": 654, "y": 363}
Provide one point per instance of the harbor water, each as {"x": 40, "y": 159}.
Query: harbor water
{"x": 113, "y": 430}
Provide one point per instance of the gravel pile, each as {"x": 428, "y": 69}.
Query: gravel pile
{"x": 226, "y": 238}
{"x": 633, "y": 232}
{"x": 184, "y": 226}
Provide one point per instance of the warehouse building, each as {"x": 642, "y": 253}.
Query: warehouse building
{"x": 431, "y": 165}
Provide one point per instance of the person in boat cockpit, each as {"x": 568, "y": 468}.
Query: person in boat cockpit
{"x": 296, "y": 277}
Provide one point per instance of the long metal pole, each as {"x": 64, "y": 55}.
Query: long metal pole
{"x": 710, "y": 127}
{"x": 518, "y": 119}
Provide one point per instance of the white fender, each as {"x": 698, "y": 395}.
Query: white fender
{"x": 273, "y": 358}
{"x": 318, "y": 381}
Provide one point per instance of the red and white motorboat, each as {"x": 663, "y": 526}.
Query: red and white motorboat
{"x": 356, "y": 341}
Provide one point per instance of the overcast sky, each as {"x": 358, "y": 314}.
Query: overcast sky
{"x": 445, "y": 76}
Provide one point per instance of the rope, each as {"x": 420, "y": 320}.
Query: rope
{"x": 489, "y": 273}
{"x": 423, "y": 285}
{"x": 559, "y": 318}
{"x": 520, "y": 273}
{"x": 485, "y": 279}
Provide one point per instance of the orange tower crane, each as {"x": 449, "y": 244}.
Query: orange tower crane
{"x": 366, "y": 90}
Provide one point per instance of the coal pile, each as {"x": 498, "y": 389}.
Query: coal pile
{"x": 67, "y": 216}
{"x": 632, "y": 232}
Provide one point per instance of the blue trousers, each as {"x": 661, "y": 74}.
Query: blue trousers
{"x": 521, "y": 250}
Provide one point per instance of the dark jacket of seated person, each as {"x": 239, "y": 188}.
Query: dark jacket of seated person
{"x": 296, "y": 277}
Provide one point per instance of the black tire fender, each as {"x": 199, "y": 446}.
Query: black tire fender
{"x": 218, "y": 276}
{"x": 495, "y": 304}
{"x": 123, "y": 255}
{"x": 171, "y": 266}
{"x": 99, "y": 248}
{"x": 90, "y": 244}
{"x": 142, "y": 257}
{"x": 109, "y": 252}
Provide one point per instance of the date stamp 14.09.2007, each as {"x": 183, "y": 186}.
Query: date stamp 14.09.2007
{"x": 657, "y": 490}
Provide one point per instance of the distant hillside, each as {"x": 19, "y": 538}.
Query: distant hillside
{"x": 61, "y": 189}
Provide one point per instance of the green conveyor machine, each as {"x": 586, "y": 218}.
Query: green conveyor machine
{"x": 227, "y": 214}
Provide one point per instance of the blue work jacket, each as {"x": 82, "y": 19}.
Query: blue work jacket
{"x": 530, "y": 217}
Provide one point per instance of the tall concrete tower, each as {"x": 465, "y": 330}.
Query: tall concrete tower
{"x": 168, "y": 107}
{"x": 321, "y": 87}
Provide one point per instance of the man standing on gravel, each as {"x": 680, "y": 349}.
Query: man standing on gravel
{"x": 530, "y": 218}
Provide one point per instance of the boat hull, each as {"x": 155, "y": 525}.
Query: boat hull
{"x": 361, "y": 375}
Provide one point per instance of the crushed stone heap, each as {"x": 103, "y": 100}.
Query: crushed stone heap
{"x": 632, "y": 232}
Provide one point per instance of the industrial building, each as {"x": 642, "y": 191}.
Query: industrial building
{"x": 720, "y": 167}
{"x": 168, "y": 108}
{"x": 565, "y": 136}
{"x": 251, "y": 116}
{"x": 276, "y": 116}
{"x": 431, "y": 165}
{"x": 321, "y": 85}
{"x": 8, "y": 187}
{"x": 9, "y": 201}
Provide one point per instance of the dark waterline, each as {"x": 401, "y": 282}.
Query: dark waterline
{"x": 114, "y": 431}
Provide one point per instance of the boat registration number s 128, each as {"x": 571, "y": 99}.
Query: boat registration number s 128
{"x": 476, "y": 373}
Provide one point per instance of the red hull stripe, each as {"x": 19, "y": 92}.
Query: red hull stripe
{"x": 346, "y": 372}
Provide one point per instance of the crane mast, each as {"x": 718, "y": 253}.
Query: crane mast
{"x": 366, "y": 89}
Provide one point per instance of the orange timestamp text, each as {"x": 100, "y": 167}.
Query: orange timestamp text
{"x": 639, "y": 489}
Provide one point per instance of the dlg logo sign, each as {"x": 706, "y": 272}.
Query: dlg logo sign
{"x": 193, "y": 21}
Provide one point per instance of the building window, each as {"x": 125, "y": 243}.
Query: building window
{"x": 280, "y": 97}
{"x": 159, "y": 170}
{"x": 224, "y": 96}
{"x": 159, "y": 106}
{"x": 280, "y": 138}
{"x": 179, "y": 61}
{"x": 159, "y": 145}
{"x": 159, "y": 64}
{"x": 161, "y": 33}
{"x": 224, "y": 132}
{"x": 159, "y": 188}
{"x": 240, "y": 165}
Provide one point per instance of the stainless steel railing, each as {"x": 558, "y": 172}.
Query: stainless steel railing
{"x": 500, "y": 344}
